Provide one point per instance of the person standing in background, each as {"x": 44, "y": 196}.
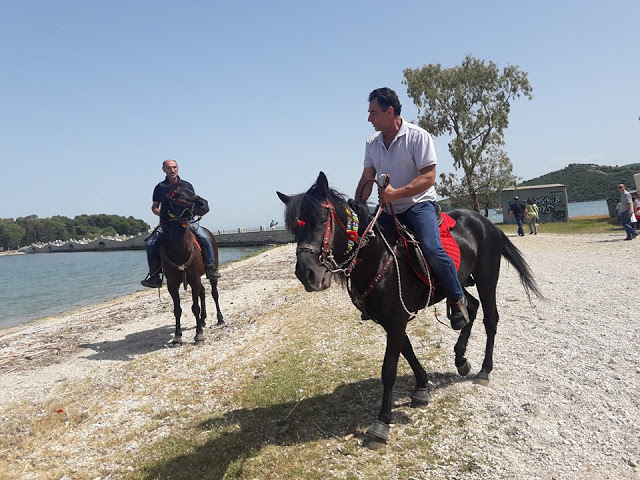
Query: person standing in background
{"x": 517, "y": 210}
{"x": 532, "y": 213}
{"x": 626, "y": 212}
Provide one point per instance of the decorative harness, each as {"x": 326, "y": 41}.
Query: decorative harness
{"x": 327, "y": 259}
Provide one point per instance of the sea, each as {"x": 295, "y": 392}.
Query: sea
{"x": 34, "y": 286}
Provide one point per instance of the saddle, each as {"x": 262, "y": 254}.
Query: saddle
{"x": 414, "y": 254}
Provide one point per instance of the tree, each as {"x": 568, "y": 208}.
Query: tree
{"x": 493, "y": 174}
{"x": 471, "y": 103}
{"x": 10, "y": 235}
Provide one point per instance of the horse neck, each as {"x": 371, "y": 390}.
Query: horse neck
{"x": 177, "y": 241}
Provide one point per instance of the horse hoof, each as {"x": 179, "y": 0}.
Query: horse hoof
{"x": 420, "y": 396}
{"x": 199, "y": 339}
{"x": 464, "y": 369}
{"x": 176, "y": 342}
{"x": 220, "y": 322}
{"x": 481, "y": 380}
{"x": 379, "y": 430}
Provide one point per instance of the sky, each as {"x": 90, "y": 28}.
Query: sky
{"x": 254, "y": 97}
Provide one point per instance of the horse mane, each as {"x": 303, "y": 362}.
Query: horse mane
{"x": 310, "y": 208}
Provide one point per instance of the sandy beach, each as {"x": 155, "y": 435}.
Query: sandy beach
{"x": 564, "y": 400}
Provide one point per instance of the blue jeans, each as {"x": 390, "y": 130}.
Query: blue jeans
{"x": 519, "y": 221}
{"x": 625, "y": 220}
{"x": 152, "y": 243}
{"x": 422, "y": 218}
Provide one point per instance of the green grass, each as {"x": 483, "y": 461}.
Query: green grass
{"x": 588, "y": 224}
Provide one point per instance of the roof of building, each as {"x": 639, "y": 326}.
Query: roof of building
{"x": 532, "y": 187}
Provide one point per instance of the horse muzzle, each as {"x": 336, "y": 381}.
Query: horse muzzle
{"x": 314, "y": 277}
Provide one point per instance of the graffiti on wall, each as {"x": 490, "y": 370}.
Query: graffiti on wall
{"x": 548, "y": 206}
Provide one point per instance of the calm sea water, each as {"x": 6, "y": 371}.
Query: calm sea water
{"x": 40, "y": 285}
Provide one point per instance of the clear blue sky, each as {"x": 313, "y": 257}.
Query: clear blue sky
{"x": 256, "y": 96}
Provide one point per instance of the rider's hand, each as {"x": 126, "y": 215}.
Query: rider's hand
{"x": 387, "y": 194}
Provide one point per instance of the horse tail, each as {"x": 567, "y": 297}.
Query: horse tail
{"x": 514, "y": 257}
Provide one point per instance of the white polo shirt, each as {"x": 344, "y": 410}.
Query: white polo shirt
{"x": 411, "y": 150}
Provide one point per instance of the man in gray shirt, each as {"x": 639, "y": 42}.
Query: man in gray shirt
{"x": 626, "y": 210}
{"x": 406, "y": 153}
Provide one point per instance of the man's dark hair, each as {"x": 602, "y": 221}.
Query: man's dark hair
{"x": 386, "y": 98}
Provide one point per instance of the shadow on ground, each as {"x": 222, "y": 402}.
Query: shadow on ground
{"x": 132, "y": 345}
{"x": 238, "y": 435}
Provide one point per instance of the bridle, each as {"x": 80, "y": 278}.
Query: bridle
{"x": 188, "y": 208}
{"x": 327, "y": 259}
{"x": 325, "y": 252}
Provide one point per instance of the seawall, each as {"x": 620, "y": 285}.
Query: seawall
{"x": 242, "y": 238}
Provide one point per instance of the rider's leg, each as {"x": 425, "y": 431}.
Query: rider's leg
{"x": 422, "y": 218}
{"x": 153, "y": 259}
{"x": 205, "y": 242}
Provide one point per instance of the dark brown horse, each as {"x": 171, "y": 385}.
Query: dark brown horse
{"x": 329, "y": 231}
{"x": 182, "y": 262}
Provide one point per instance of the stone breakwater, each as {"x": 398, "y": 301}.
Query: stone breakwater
{"x": 242, "y": 238}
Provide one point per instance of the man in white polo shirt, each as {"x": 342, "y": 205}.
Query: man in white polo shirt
{"x": 405, "y": 152}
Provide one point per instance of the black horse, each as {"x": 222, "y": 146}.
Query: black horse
{"x": 182, "y": 261}
{"x": 380, "y": 278}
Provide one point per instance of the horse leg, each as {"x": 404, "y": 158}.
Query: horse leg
{"x": 214, "y": 294}
{"x": 203, "y": 306}
{"x": 462, "y": 364}
{"x": 490, "y": 309}
{"x": 174, "y": 291}
{"x": 195, "y": 308}
{"x": 379, "y": 429}
{"x": 420, "y": 395}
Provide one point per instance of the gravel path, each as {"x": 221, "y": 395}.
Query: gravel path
{"x": 565, "y": 395}
{"x": 564, "y": 399}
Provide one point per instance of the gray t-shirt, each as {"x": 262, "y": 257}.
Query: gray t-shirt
{"x": 625, "y": 200}
{"x": 411, "y": 150}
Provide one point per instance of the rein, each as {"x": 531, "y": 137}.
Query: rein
{"x": 327, "y": 259}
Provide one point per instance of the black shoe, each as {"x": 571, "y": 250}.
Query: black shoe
{"x": 154, "y": 281}
{"x": 212, "y": 272}
{"x": 458, "y": 314}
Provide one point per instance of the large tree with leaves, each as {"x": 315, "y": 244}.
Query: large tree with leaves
{"x": 471, "y": 103}
{"x": 493, "y": 174}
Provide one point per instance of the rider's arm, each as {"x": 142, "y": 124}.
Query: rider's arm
{"x": 155, "y": 208}
{"x": 365, "y": 184}
{"x": 422, "y": 182}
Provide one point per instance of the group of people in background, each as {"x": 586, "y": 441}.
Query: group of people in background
{"x": 525, "y": 212}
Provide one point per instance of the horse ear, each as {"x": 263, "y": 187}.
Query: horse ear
{"x": 285, "y": 198}
{"x": 322, "y": 184}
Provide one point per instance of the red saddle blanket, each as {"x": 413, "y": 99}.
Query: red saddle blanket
{"x": 448, "y": 242}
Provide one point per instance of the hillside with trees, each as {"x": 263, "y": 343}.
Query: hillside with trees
{"x": 31, "y": 229}
{"x": 587, "y": 182}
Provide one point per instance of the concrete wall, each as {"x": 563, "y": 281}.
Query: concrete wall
{"x": 551, "y": 199}
{"x": 251, "y": 239}
{"x": 240, "y": 239}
